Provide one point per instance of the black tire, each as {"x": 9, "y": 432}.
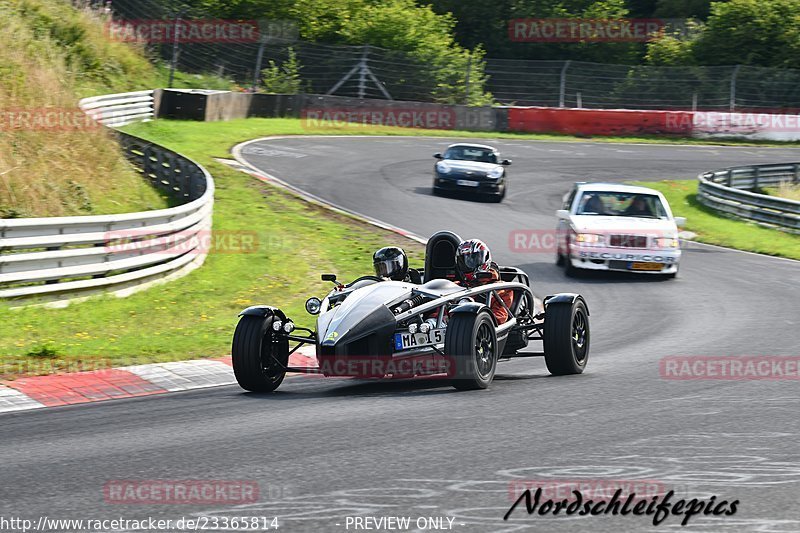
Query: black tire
{"x": 569, "y": 270}
{"x": 254, "y": 353}
{"x": 470, "y": 343}
{"x": 566, "y": 338}
{"x": 497, "y": 198}
{"x": 672, "y": 275}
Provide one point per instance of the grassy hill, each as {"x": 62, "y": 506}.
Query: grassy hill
{"x": 51, "y": 54}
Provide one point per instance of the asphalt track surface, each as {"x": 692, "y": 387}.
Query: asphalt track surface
{"x": 322, "y": 450}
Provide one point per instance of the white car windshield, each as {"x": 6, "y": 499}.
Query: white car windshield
{"x": 471, "y": 153}
{"x": 621, "y": 204}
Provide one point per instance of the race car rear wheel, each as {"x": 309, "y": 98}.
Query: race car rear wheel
{"x": 259, "y": 358}
{"x": 471, "y": 346}
{"x": 566, "y": 337}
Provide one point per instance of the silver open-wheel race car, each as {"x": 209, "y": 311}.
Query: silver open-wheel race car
{"x": 372, "y": 328}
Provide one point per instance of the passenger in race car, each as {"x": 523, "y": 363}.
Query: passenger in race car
{"x": 593, "y": 206}
{"x": 391, "y": 263}
{"x": 474, "y": 258}
{"x": 639, "y": 208}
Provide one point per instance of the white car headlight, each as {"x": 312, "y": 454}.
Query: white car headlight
{"x": 667, "y": 242}
{"x": 496, "y": 173}
{"x": 443, "y": 167}
{"x": 589, "y": 239}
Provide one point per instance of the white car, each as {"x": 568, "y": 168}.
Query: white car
{"x": 608, "y": 226}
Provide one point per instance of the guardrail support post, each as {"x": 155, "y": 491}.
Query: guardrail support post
{"x": 796, "y": 178}
{"x": 562, "y": 86}
{"x": 52, "y": 249}
{"x": 732, "y": 103}
{"x": 756, "y": 176}
{"x": 729, "y": 180}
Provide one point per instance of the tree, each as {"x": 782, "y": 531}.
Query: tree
{"x": 738, "y": 32}
{"x": 487, "y": 24}
{"x": 696, "y": 9}
{"x": 670, "y": 51}
{"x": 429, "y": 52}
{"x": 751, "y": 32}
{"x": 284, "y": 78}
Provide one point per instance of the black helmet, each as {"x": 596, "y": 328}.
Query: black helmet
{"x": 391, "y": 262}
{"x": 472, "y": 256}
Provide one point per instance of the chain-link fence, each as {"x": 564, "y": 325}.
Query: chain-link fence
{"x": 371, "y": 72}
{"x": 597, "y": 85}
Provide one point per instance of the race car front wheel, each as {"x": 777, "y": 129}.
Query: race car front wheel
{"x": 566, "y": 337}
{"x": 259, "y": 358}
{"x": 471, "y": 347}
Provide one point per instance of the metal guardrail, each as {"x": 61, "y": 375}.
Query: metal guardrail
{"x": 66, "y": 257}
{"x": 730, "y": 191}
{"x": 116, "y": 110}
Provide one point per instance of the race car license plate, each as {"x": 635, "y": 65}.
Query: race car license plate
{"x": 646, "y": 266}
{"x": 406, "y": 341}
{"x": 467, "y": 183}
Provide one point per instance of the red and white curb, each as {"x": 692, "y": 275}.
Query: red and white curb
{"x": 36, "y": 392}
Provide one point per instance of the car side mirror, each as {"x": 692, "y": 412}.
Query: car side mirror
{"x": 505, "y": 162}
{"x": 438, "y": 155}
{"x": 563, "y": 214}
{"x": 483, "y": 276}
{"x": 680, "y": 221}
{"x": 329, "y": 277}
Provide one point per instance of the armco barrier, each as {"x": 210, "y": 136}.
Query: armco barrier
{"x": 60, "y": 258}
{"x": 116, "y": 110}
{"x": 730, "y": 191}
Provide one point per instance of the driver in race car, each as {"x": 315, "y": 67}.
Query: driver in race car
{"x": 391, "y": 263}
{"x": 473, "y": 258}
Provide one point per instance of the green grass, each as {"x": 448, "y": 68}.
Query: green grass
{"x": 713, "y": 228}
{"x": 786, "y": 190}
{"x": 194, "y": 317}
{"x": 186, "y": 80}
